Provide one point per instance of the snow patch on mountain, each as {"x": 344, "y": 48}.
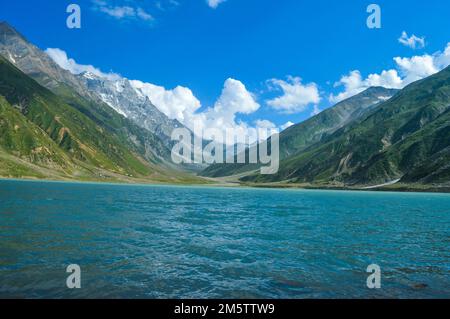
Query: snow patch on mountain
{"x": 11, "y": 58}
{"x": 121, "y": 96}
{"x": 108, "y": 99}
{"x": 384, "y": 98}
{"x": 89, "y": 75}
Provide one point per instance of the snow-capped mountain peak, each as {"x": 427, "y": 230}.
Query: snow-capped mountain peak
{"x": 126, "y": 100}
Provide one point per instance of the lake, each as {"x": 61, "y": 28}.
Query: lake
{"x": 203, "y": 242}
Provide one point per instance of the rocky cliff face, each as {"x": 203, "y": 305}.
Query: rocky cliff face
{"x": 127, "y": 101}
{"x": 117, "y": 93}
{"x": 34, "y": 62}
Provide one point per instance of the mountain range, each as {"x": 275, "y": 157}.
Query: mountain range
{"x": 298, "y": 137}
{"x": 59, "y": 125}
{"x": 90, "y": 139}
{"x": 377, "y": 138}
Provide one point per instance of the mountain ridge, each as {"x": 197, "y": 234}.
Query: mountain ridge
{"x": 41, "y": 67}
{"x": 88, "y": 144}
{"x": 299, "y": 136}
{"x": 395, "y": 138}
{"x": 55, "y": 123}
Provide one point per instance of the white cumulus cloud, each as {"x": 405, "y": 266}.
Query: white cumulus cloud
{"x": 60, "y": 57}
{"x": 122, "y": 12}
{"x": 414, "y": 42}
{"x": 179, "y": 103}
{"x": 442, "y": 60}
{"x": 353, "y": 83}
{"x": 265, "y": 124}
{"x": 407, "y": 70}
{"x": 416, "y": 68}
{"x": 296, "y": 96}
{"x": 286, "y": 125}
{"x": 316, "y": 110}
{"x": 235, "y": 99}
{"x": 214, "y": 3}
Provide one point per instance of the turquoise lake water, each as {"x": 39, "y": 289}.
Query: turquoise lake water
{"x": 198, "y": 242}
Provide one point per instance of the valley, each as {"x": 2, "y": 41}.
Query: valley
{"x": 56, "y": 125}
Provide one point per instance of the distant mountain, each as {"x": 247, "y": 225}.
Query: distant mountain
{"x": 35, "y": 63}
{"x": 39, "y": 126}
{"x": 298, "y": 137}
{"x": 54, "y": 124}
{"x": 120, "y": 95}
{"x": 406, "y": 138}
{"x": 43, "y": 135}
{"x": 86, "y": 88}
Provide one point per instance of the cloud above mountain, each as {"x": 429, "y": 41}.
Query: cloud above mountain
{"x": 265, "y": 124}
{"x": 61, "y": 58}
{"x": 180, "y": 103}
{"x": 295, "y": 96}
{"x": 407, "y": 70}
{"x": 286, "y": 125}
{"x": 413, "y": 42}
{"x": 214, "y": 3}
{"x": 126, "y": 12}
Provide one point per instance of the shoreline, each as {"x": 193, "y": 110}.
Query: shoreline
{"x": 392, "y": 188}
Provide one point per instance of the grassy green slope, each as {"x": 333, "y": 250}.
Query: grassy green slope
{"x": 398, "y": 138}
{"x": 23, "y": 139}
{"x": 298, "y": 137}
{"x": 424, "y": 156}
{"x": 141, "y": 141}
{"x": 74, "y": 132}
{"x": 41, "y": 128}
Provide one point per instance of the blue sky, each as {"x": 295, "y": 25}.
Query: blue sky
{"x": 262, "y": 44}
